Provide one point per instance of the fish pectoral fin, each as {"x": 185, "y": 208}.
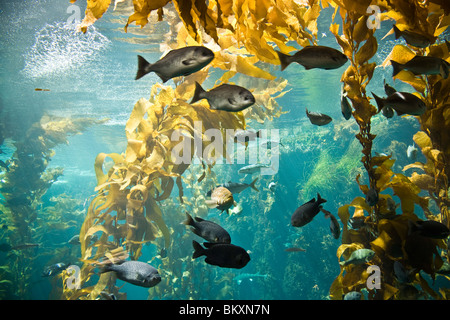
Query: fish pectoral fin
{"x": 231, "y": 101}
{"x": 211, "y": 204}
{"x": 188, "y": 62}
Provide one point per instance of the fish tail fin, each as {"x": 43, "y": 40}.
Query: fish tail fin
{"x": 319, "y": 199}
{"x": 197, "y": 93}
{"x": 142, "y": 67}
{"x": 397, "y": 67}
{"x": 285, "y": 59}
{"x": 198, "y": 250}
{"x": 189, "y": 221}
{"x": 253, "y": 185}
{"x": 379, "y": 101}
{"x": 397, "y": 32}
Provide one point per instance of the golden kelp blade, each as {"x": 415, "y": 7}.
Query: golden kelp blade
{"x": 142, "y": 9}
{"x": 94, "y": 11}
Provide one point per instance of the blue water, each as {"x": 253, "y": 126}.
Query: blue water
{"x": 92, "y": 75}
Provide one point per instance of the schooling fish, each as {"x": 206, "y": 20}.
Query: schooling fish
{"x": 317, "y": 118}
{"x": 402, "y": 103}
{"x": 236, "y": 187}
{"x": 176, "y": 63}
{"x": 359, "y": 256}
{"x": 208, "y": 230}
{"x": 225, "y": 255}
{"x": 307, "y": 211}
{"x": 423, "y": 65}
{"x": 314, "y": 57}
{"x": 226, "y": 97}
{"x": 413, "y": 38}
{"x": 429, "y": 228}
{"x": 135, "y": 272}
{"x": 221, "y": 198}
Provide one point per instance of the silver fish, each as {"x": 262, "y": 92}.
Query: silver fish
{"x": 135, "y": 272}
{"x": 402, "y": 103}
{"x": 423, "y": 65}
{"x": 314, "y": 57}
{"x": 359, "y": 256}
{"x": 413, "y": 38}
{"x": 317, "y": 118}
{"x": 176, "y": 63}
{"x": 253, "y": 168}
{"x": 226, "y": 97}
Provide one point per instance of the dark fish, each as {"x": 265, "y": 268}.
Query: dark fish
{"x": 423, "y": 65}
{"x": 226, "y": 97}
{"x": 295, "y": 249}
{"x": 221, "y": 198}
{"x": 413, "y": 38}
{"x": 306, "y": 212}
{"x": 402, "y": 103}
{"x": 4, "y": 165}
{"x": 236, "y": 187}
{"x": 334, "y": 225}
{"x": 225, "y": 255}
{"x": 208, "y": 230}
{"x": 429, "y": 228}
{"x": 176, "y": 63}
{"x": 372, "y": 197}
{"x": 135, "y": 272}
{"x": 7, "y": 247}
{"x": 403, "y": 275}
{"x": 54, "y": 269}
{"x": 346, "y": 109}
{"x": 314, "y": 57}
{"x": 318, "y": 118}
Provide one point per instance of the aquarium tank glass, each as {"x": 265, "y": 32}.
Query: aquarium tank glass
{"x": 224, "y": 150}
